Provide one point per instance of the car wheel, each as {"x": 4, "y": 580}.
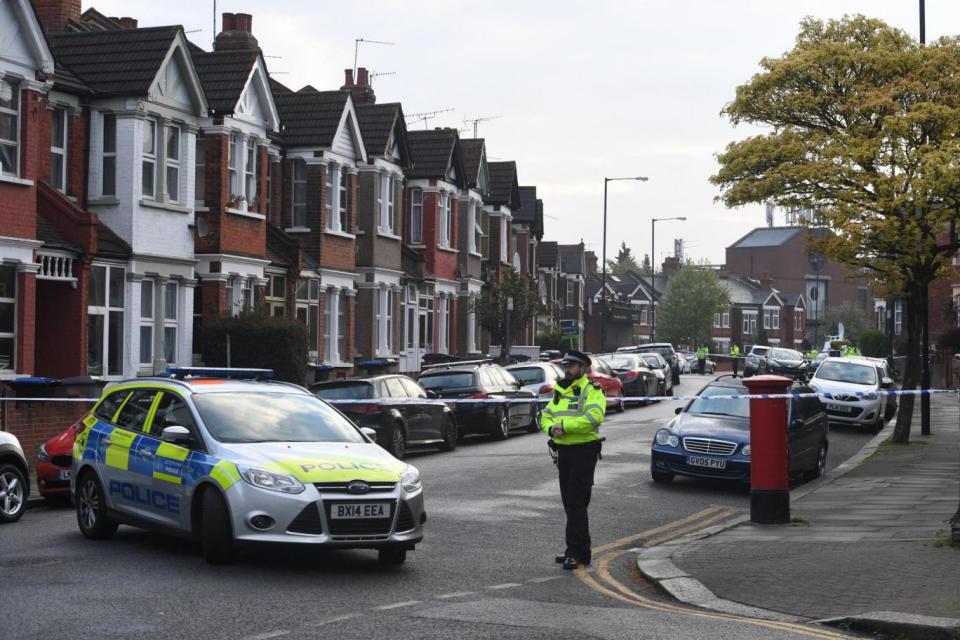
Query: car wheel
{"x": 391, "y": 556}
{"x": 92, "y": 515}
{"x": 877, "y": 426}
{"x": 535, "y": 420}
{"x": 661, "y": 477}
{"x": 820, "y": 466}
{"x": 620, "y": 405}
{"x": 502, "y": 431}
{"x": 398, "y": 442}
{"x": 216, "y": 533}
{"x": 450, "y": 435}
{"x": 13, "y": 493}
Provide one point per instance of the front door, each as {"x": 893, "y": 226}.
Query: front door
{"x": 168, "y": 463}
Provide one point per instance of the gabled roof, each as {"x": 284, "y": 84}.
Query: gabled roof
{"x": 548, "y": 255}
{"x": 769, "y": 297}
{"x": 474, "y": 151}
{"x": 504, "y": 188}
{"x": 377, "y": 123}
{"x": 35, "y": 49}
{"x": 793, "y": 299}
{"x": 528, "y": 206}
{"x": 740, "y": 292}
{"x": 571, "y": 258}
{"x": 116, "y": 62}
{"x": 311, "y": 117}
{"x": 434, "y": 152}
{"x": 767, "y": 237}
{"x": 224, "y": 75}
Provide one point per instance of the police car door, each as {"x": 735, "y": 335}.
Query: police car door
{"x": 168, "y": 461}
{"x": 125, "y": 481}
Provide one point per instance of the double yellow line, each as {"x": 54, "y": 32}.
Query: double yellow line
{"x": 603, "y": 581}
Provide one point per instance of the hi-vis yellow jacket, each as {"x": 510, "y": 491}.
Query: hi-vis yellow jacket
{"x": 579, "y": 409}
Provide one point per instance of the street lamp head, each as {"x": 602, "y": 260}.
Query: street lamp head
{"x": 641, "y": 178}
{"x": 682, "y": 218}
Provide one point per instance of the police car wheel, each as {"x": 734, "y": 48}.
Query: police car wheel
{"x": 13, "y": 493}
{"x": 391, "y": 556}
{"x": 216, "y": 534}
{"x": 450, "y": 435}
{"x": 398, "y": 442}
{"x": 92, "y": 515}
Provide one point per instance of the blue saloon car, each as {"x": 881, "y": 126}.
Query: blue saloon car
{"x": 710, "y": 437}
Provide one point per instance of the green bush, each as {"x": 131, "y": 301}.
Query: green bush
{"x": 257, "y": 340}
{"x": 552, "y": 340}
{"x": 875, "y": 344}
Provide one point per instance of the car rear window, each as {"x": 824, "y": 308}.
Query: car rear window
{"x": 449, "y": 380}
{"x": 528, "y": 375}
{"x": 666, "y": 352}
{"x": 653, "y": 361}
{"x": 622, "y": 362}
{"x": 708, "y": 404}
{"x": 344, "y": 391}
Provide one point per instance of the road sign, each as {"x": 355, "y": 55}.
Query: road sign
{"x": 569, "y": 328}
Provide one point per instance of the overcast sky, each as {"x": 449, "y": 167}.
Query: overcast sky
{"x": 584, "y": 89}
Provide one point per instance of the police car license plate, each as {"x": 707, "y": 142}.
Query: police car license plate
{"x": 710, "y": 463}
{"x": 360, "y": 510}
{"x": 843, "y": 408}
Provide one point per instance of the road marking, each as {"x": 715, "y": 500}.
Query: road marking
{"x": 348, "y": 616}
{"x": 677, "y": 529}
{"x": 458, "y": 594}
{"x": 505, "y": 585}
{"x": 656, "y": 530}
{"x": 408, "y": 603}
{"x": 544, "y": 579}
{"x": 268, "y": 635}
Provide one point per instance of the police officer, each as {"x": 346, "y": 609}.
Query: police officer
{"x": 702, "y": 353}
{"x": 735, "y": 356}
{"x": 572, "y": 420}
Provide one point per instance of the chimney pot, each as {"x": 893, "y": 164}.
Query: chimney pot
{"x": 244, "y": 22}
{"x": 229, "y": 22}
{"x": 363, "y": 77}
{"x": 348, "y": 77}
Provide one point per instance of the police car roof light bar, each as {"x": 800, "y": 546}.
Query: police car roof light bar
{"x": 454, "y": 363}
{"x": 219, "y": 372}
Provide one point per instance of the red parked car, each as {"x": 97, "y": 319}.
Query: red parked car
{"x": 54, "y": 464}
{"x": 601, "y": 373}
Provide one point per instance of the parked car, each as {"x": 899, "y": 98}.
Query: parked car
{"x": 685, "y": 360}
{"x": 55, "y": 463}
{"x": 661, "y": 369}
{"x": 755, "y": 361}
{"x": 484, "y": 380}
{"x": 710, "y": 437}
{"x": 632, "y": 370}
{"x": 14, "y": 479}
{"x": 786, "y": 362}
{"x": 538, "y": 377}
{"x": 400, "y": 411}
{"x": 852, "y": 383}
{"x": 666, "y": 350}
{"x": 693, "y": 363}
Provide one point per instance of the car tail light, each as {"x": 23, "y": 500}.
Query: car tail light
{"x": 479, "y": 395}
{"x": 546, "y": 389}
{"x": 630, "y": 375}
{"x": 78, "y": 426}
{"x": 364, "y": 408}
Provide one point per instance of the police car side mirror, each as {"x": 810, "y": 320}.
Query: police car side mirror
{"x": 678, "y": 410}
{"x": 177, "y": 435}
{"x": 370, "y": 433}
{"x": 887, "y": 383}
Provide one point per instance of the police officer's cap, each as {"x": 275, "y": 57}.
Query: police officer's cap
{"x": 577, "y": 357}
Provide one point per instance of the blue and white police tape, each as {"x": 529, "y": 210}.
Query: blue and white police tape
{"x": 840, "y": 396}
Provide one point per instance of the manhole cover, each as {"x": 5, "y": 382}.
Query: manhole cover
{"x": 29, "y": 562}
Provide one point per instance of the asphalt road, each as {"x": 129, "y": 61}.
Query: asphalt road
{"x": 484, "y": 570}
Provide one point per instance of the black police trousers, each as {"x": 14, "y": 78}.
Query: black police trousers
{"x": 576, "y": 463}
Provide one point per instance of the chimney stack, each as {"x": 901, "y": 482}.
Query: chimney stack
{"x": 670, "y": 266}
{"x": 237, "y": 33}
{"x": 127, "y": 22}
{"x": 54, "y": 14}
{"x": 361, "y": 92}
{"x": 591, "y": 259}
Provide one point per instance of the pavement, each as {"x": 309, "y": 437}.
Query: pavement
{"x": 868, "y": 548}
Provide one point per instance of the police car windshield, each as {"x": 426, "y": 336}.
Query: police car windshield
{"x": 708, "y": 403}
{"x": 847, "y": 372}
{"x": 272, "y": 417}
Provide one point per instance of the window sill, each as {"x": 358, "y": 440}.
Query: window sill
{"x": 340, "y": 234}
{"x": 166, "y": 206}
{"x": 388, "y": 235}
{"x": 297, "y": 229}
{"x": 474, "y": 254}
{"x": 18, "y": 181}
{"x": 104, "y": 201}
{"x": 337, "y": 365}
{"x": 199, "y": 208}
{"x": 447, "y": 249}
{"x": 417, "y": 245}
{"x": 245, "y": 214}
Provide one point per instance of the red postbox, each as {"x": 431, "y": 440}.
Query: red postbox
{"x": 769, "y": 454}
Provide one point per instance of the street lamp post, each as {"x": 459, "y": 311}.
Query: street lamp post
{"x": 603, "y": 279}
{"x": 653, "y": 273}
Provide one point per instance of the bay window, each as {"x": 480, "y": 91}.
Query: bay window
{"x": 8, "y": 315}
{"x": 385, "y": 201}
{"x": 504, "y": 227}
{"x": 58, "y": 149}
{"x": 277, "y": 295}
{"x": 299, "y": 193}
{"x": 408, "y": 320}
{"x": 250, "y": 173}
{"x": 335, "y": 325}
{"x": 329, "y": 206}
{"x": 749, "y": 323}
{"x": 476, "y": 229}
{"x": 172, "y": 162}
{"x": 416, "y": 216}
{"x": 200, "y": 174}
{"x": 105, "y": 321}
{"x": 170, "y": 315}
{"x": 232, "y": 182}
{"x": 149, "y": 162}
{"x": 9, "y": 127}
{"x": 146, "y": 321}
{"x": 108, "y": 184}
{"x": 308, "y": 311}
{"x": 426, "y": 319}
{"x": 342, "y": 201}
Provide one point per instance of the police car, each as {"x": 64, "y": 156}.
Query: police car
{"x": 229, "y": 457}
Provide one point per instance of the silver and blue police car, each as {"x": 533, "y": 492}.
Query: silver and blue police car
{"x": 228, "y": 457}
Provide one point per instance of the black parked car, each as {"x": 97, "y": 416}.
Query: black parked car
{"x": 400, "y": 411}
{"x": 636, "y": 376}
{"x": 666, "y": 350}
{"x": 786, "y": 362}
{"x": 482, "y": 380}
